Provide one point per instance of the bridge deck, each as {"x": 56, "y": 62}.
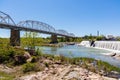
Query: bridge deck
{"x": 9, "y": 26}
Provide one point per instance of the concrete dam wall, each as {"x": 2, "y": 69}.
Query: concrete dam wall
{"x": 111, "y": 45}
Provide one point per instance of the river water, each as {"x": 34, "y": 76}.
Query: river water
{"x": 80, "y": 51}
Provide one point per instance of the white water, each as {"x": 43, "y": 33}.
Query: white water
{"x": 85, "y": 43}
{"x": 113, "y": 46}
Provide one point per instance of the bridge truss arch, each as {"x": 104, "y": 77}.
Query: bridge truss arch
{"x": 60, "y": 31}
{"x": 63, "y": 32}
{"x": 6, "y": 19}
{"x": 37, "y": 25}
{"x": 7, "y": 22}
{"x": 71, "y": 34}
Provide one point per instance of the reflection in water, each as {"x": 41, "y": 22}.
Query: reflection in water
{"x": 53, "y": 50}
{"x": 79, "y": 51}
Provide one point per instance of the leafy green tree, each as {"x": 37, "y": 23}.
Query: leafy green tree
{"x": 29, "y": 39}
{"x": 100, "y": 38}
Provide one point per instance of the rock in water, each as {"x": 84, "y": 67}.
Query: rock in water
{"x": 113, "y": 54}
{"x": 117, "y": 56}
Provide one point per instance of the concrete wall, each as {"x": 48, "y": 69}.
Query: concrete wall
{"x": 111, "y": 45}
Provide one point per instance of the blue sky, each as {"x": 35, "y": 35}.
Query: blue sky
{"x": 81, "y": 17}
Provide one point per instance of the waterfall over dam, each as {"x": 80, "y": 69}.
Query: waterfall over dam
{"x": 109, "y": 45}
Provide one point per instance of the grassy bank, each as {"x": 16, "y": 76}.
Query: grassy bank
{"x": 5, "y": 76}
{"x": 88, "y": 63}
{"x": 15, "y": 58}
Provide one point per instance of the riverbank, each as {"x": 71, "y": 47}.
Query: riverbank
{"x": 59, "y": 44}
{"x": 55, "y": 70}
{"x": 18, "y": 64}
{"x": 53, "y": 45}
{"x": 65, "y": 72}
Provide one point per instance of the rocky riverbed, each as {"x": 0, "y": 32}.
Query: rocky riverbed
{"x": 64, "y": 72}
{"x": 58, "y": 72}
{"x": 54, "y": 67}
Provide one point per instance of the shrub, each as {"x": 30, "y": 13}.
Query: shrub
{"x": 38, "y": 52}
{"x": 5, "y": 55}
{"x": 28, "y": 67}
{"x": 32, "y": 67}
{"x": 12, "y": 55}
{"x": 46, "y": 64}
{"x": 34, "y": 59}
{"x": 56, "y": 58}
{"x": 19, "y": 59}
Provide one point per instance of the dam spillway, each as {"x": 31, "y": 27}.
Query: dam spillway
{"x": 109, "y": 45}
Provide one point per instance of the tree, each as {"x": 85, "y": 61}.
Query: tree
{"x": 29, "y": 39}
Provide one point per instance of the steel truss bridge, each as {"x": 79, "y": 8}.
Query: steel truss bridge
{"x": 29, "y": 25}
{"x": 7, "y": 22}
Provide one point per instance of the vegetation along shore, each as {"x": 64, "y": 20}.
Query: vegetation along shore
{"x": 18, "y": 64}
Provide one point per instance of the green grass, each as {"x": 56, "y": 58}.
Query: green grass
{"x": 5, "y": 76}
{"x": 7, "y": 57}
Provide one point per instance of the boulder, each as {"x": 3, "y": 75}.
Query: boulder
{"x": 112, "y": 54}
{"x": 117, "y": 56}
{"x": 27, "y": 55}
{"x": 19, "y": 59}
{"x": 29, "y": 60}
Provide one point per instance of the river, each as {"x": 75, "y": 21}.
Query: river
{"x": 80, "y": 51}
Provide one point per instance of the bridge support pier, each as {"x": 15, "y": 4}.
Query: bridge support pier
{"x": 15, "y": 38}
{"x": 54, "y": 38}
{"x": 67, "y": 39}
